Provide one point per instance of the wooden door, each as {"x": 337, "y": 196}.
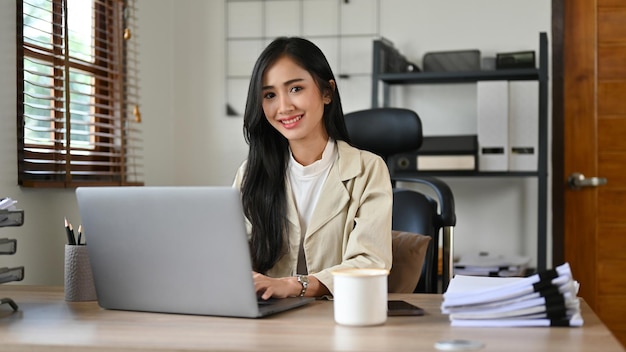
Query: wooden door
{"x": 594, "y": 144}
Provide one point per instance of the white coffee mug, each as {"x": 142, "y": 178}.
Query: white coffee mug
{"x": 360, "y": 296}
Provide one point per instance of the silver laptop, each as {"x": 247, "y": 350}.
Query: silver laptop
{"x": 172, "y": 250}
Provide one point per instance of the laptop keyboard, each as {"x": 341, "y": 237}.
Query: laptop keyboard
{"x": 266, "y": 302}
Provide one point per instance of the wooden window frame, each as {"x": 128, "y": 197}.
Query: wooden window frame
{"x": 112, "y": 155}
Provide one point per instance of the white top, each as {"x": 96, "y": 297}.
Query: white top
{"x": 306, "y": 184}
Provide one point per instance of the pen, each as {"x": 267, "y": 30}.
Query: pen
{"x": 80, "y": 234}
{"x": 70, "y": 233}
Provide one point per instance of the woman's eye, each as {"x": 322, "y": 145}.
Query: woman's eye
{"x": 268, "y": 95}
{"x": 295, "y": 89}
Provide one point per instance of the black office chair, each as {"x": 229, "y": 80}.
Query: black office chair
{"x": 390, "y": 131}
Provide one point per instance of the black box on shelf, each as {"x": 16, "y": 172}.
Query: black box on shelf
{"x": 520, "y": 59}
{"x": 452, "y": 61}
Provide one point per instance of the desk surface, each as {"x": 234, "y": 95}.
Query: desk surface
{"x": 45, "y": 322}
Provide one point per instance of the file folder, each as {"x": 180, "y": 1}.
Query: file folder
{"x": 493, "y": 125}
{"x": 523, "y": 125}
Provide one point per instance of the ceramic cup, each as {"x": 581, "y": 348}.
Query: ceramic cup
{"x": 360, "y": 296}
{"x": 79, "y": 284}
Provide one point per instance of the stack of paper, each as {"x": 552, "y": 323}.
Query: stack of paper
{"x": 548, "y": 298}
{"x": 9, "y": 215}
{"x": 7, "y": 203}
{"x": 485, "y": 264}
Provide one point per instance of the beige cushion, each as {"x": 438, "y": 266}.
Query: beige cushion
{"x": 409, "y": 251}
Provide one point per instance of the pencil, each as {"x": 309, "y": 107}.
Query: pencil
{"x": 80, "y": 234}
{"x": 70, "y": 233}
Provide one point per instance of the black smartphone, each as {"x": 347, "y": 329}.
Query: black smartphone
{"x": 397, "y": 308}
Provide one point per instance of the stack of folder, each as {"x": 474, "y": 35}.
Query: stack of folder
{"x": 548, "y": 298}
{"x": 441, "y": 153}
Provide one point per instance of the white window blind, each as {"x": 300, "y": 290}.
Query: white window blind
{"x": 78, "y": 112}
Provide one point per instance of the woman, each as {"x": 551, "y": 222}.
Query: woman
{"x": 313, "y": 202}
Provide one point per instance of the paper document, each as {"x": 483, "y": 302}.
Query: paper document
{"x": 548, "y": 298}
{"x": 471, "y": 290}
{"x": 7, "y": 203}
{"x": 574, "y": 321}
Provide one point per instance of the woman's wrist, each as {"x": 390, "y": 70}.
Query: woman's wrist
{"x": 303, "y": 282}
{"x": 294, "y": 286}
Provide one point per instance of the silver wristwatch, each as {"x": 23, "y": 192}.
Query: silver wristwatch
{"x": 304, "y": 281}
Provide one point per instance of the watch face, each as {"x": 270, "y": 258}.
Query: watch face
{"x": 304, "y": 281}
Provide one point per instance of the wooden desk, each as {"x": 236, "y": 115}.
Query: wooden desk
{"x": 45, "y": 322}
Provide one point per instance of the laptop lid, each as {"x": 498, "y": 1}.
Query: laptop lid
{"x": 171, "y": 250}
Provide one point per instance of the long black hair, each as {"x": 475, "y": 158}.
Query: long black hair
{"x": 263, "y": 186}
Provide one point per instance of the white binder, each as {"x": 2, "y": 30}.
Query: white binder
{"x": 493, "y": 125}
{"x": 523, "y": 125}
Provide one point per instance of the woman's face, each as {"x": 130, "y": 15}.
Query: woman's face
{"x": 292, "y": 101}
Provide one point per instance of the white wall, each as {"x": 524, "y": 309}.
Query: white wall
{"x": 189, "y": 140}
{"x": 182, "y": 80}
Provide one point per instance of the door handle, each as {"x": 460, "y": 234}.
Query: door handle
{"x": 577, "y": 180}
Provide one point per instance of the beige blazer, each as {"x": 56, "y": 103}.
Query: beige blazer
{"x": 351, "y": 224}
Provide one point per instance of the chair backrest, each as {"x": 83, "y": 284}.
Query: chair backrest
{"x": 385, "y": 131}
{"x": 389, "y": 131}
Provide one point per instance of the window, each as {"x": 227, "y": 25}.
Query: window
{"x": 78, "y": 113}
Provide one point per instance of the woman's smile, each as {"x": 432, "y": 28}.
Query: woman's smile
{"x": 291, "y": 122}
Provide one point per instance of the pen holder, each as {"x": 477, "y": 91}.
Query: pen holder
{"x": 79, "y": 284}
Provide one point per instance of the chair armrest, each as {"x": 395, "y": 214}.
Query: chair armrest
{"x": 444, "y": 193}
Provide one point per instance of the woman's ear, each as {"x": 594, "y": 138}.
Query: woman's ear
{"x": 329, "y": 93}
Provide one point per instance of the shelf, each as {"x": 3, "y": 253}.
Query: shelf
{"x": 11, "y": 274}
{"x": 8, "y": 246}
{"x": 451, "y": 173}
{"x": 381, "y": 82}
{"x": 460, "y": 76}
{"x": 11, "y": 218}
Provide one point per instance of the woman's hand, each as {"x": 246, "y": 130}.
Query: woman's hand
{"x": 269, "y": 287}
